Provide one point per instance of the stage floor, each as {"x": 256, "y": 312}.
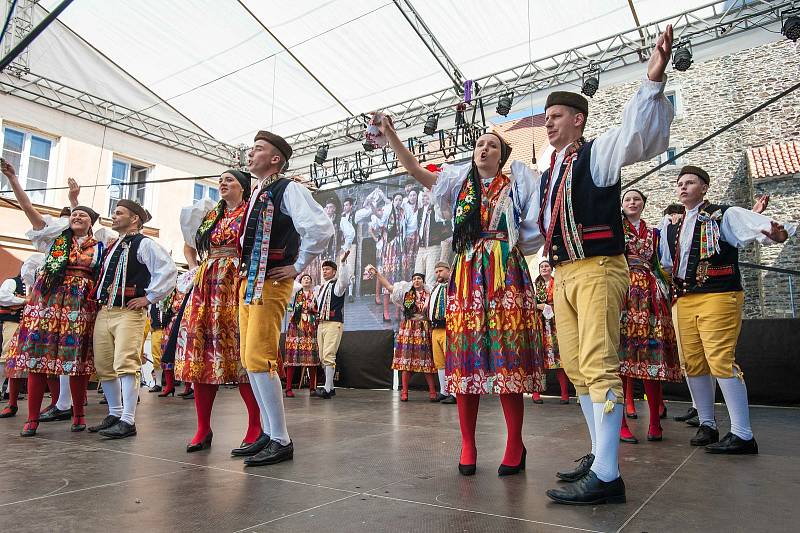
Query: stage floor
{"x": 366, "y": 462}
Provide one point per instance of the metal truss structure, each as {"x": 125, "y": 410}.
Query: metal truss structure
{"x": 727, "y": 18}
{"x": 20, "y": 25}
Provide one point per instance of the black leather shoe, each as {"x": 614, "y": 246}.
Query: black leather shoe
{"x": 466, "y": 470}
{"x": 538, "y": 401}
{"x": 705, "y": 435}
{"x": 274, "y": 453}
{"x": 155, "y": 388}
{"x": 691, "y": 413}
{"x": 439, "y": 397}
{"x": 590, "y": 490}
{"x": 107, "y": 422}
{"x": 694, "y": 422}
{"x": 249, "y": 450}
{"x": 189, "y": 396}
{"x": 333, "y": 392}
{"x": 450, "y": 400}
{"x": 322, "y": 393}
{"x": 54, "y": 414}
{"x": 505, "y": 470}
{"x": 202, "y": 445}
{"x": 120, "y": 430}
{"x": 584, "y": 464}
{"x": 734, "y": 445}
{"x": 186, "y": 392}
{"x": 564, "y": 402}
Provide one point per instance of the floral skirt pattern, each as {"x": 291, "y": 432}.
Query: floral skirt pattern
{"x": 207, "y": 350}
{"x": 648, "y": 348}
{"x": 410, "y": 248}
{"x": 550, "y": 343}
{"x": 55, "y": 332}
{"x": 392, "y": 260}
{"x": 412, "y": 347}
{"x": 300, "y": 348}
{"x": 494, "y": 340}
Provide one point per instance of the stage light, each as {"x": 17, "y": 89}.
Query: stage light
{"x": 682, "y": 57}
{"x": 791, "y": 27}
{"x": 431, "y": 124}
{"x": 322, "y": 154}
{"x": 590, "y": 85}
{"x": 504, "y": 104}
{"x": 368, "y": 146}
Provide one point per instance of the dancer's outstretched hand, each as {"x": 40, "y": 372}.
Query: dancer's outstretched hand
{"x": 776, "y": 232}
{"x": 661, "y": 55}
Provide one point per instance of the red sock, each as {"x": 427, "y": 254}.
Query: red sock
{"x": 289, "y": 377}
{"x": 36, "y": 385}
{"x": 654, "y": 394}
{"x": 54, "y": 386}
{"x": 405, "y": 377}
{"x": 625, "y": 431}
{"x": 204, "y": 394}
{"x": 431, "y": 384}
{"x": 467, "y": 418}
{"x": 253, "y": 414}
{"x": 513, "y": 410}
{"x": 627, "y": 384}
{"x": 77, "y": 389}
{"x": 563, "y": 382}
{"x": 14, "y": 386}
{"x": 169, "y": 380}
{"x": 312, "y": 378}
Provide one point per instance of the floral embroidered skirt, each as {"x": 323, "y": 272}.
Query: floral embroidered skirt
{"x": 55, "y": 332}
{"x": 648, "y": 348}
{"x": 300, "y": 348}
{"x": 494, "y": 340}
{"x": 392, "y": 260}
{"x": 412, "y": 347}
{"x": 207, "y": 350}
{"x": 550, "y": 343}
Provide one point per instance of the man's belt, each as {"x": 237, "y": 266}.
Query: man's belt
{"x": 495, "y": 235}
{"x": 218, "y": 252}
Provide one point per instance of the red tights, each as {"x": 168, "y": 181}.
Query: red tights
{"x": 169, "y": 380}
{"x": 204, "y": 394}
{"x": 54, "y": 386}
{"x": 254, "y": 429}
{"x": 405, "y": 377}
{"x": 14, "y": 387}
{"x": 513, "y": 410}
{"x": 77, "y": 389}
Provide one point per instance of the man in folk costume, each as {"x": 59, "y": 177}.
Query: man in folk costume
{"x": 330, "y": 318}
{"x": 137, "y": 272}
{"x": 284, "y": 229}
{"x": 437, "y": 305}
{"x": 12, "y": 300}
{"x": 347, "y": 227}
{"x": 584, "y": 239}
{"x": 433, "y": 230}
{"x": 707, "y": 309}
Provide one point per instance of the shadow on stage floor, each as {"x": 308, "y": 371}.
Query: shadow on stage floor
{"x": 366, "y": 462}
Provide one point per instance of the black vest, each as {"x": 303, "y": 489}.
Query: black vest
{"x": 336, "y": 307}
{"x": 437, "y": 231}
{"x": 137, "y": 276}
{"x": 14, "y": 315}
{"x": 284, "y": 241}
{"x": 718, "y": 273}
{"x": 158, "y": 318}
{"x": 672, "y": 239}
{"x": 596, "y": 211}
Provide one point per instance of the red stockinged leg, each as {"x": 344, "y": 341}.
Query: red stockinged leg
{"x": 204, "y": 395}
{"x": 654, "y": 396}
{"x": 289, "y": 378}
{"x": 537, "y": 396}
{"x": 54, "y": 386}
{"x": 312, "y": 378}
{"x": 630, "y": 407}
{"x": 36, "y": 385}
{"x": 431, "y": 385}
{"x": 253, "y": 414}
{"x": 625, "y": 433}
{"x": 405, "y": 377}
{"x": 563, "y": 382}
{"x": 77, "y": 389}
{"x": 169, "y": 381}
{"x": 513, "y": 410}
{"x": 468, "y": 417}
{"x": 14, "y": 386}
{"x": 187, "y": 386}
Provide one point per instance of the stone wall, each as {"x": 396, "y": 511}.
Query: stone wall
{"x": 711, "y": 94}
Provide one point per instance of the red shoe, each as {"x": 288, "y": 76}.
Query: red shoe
{"x": 655, "y": 433}
{"x": 537, "y": 398}
{"x": 404, "y": 396}
{"x": 9, "y": 411}
{"x": 625, "y": 435}
{"x": 289, "y": 393}
{"x": 29, "y": 429}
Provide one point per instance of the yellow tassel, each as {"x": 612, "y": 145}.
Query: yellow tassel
{"x": 499, "y": 274}
{"x": 608, "y": 407}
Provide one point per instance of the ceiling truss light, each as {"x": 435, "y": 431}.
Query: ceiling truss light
{"x": 322, "y": 154}
{"x": 591, "y": 81}
{"x": 791, "y": 25}
{"x": 431, "y": 124}
{"x": 682, "y": 57}
{"x": 504, "y": 104}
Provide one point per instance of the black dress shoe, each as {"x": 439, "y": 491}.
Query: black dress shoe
{"x": 590, "y": 490}
{"x": 691, "y": 413}
{"x": 734, "y": 445}
{"x": 584, "y": 464}
{"x": 439, "y": 397}
{"x": 54, "y": 414}
{"x": 189, "y": 396}
{"x": 103, "y": 401}
{"x": 202, "y": 445}
{"x": 76, "y": 428}
{"x": 663, "y": 414}
{"x": 705, "y": 435}
{"x": 322, "y": 393}
{"x": 333, "y": 392}
{"x": 694, "y": 422}
{"x": 538, "y": 401}
{"x": 155, "y": 388}
{"x": 466, "y": 470}
{"x": 120, "y": 430}
{"x": 248, "y": 450}
{"x": 107, "y": 422}
{"x": 564, "y": 402}
{"x": 449, "y": 400}
{"x": 505, "y": 470}
{"x": 186, "y": 392}
{"x": 274, "y": 453}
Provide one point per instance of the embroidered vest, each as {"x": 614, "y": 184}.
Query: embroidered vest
{"x": 284, "y": 243}
{"x": 437, "y": 305}
{"x": 431, "y": 232}
{"x": 331, "y": 307}
{"x": 14, "y": 315}
{"x": 137, "y": 276}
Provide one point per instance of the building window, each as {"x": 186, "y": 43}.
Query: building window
{"x": 674, "y": 97}
{"x": 31, "y": 155}
{"x": 128, "y": 181}
{"x": 205, "y": 191}
{"x": 670, "y": 157}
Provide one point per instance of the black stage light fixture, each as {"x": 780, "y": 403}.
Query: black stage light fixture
{"x": 591, "y": 81}
{"x": 504, "y": 104}
{"x": 791, "y": 26}
{"x": 322, "y": 154}
{"x": 682, "y": 57}
{"x": 368, "y": 146}
{"x": 431, "y": 124}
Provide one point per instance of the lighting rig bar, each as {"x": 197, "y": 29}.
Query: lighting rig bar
{"x": 727, "y": 18}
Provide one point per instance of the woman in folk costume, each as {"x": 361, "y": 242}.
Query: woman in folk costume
{"x": 544, "y": 310}
{"x": 393, "y": 246}
{"x": 647, "y": 349}
{"x": 300, "y": 348}
{"x": 207, "y": 352}
{"x": 55, "y": 333}
{"x": 412, "y": 345}
{"x": 494, "y": 341}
